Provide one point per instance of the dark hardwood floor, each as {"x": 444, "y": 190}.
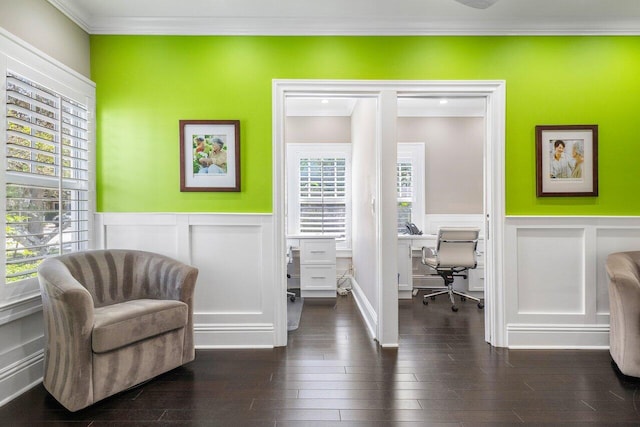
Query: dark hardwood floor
{"x": 332, "y": 374}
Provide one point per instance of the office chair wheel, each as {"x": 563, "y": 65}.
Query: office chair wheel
{"x": 292, "y": 298}
{"x": 433, "y": 298}
{"x": 480, "y": 305}
{"x": 454, "y": 308}
{"x": 463, "y": 299}
{"x": 425, "y": 302}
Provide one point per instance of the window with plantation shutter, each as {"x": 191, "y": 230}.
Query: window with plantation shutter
{"x": 46, "y": 175}
{"x": 319, "y": 191}
{"x": 410, "y": 184}
{"x": 404, "y": 181}
{"x": 322, "y": 191}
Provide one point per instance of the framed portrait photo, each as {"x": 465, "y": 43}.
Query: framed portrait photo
{"x": 209, "y": 155}
{"x": 566, "y": 160}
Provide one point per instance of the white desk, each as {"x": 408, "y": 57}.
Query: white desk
{"x": 317, "y": 265}
{"x": 407, "y": 243}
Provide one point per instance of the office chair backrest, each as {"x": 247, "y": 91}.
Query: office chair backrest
{"x": 457, "y": 247}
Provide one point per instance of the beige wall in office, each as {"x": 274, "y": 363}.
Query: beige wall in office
{"x": 46, "y": 28}
{"x": 454, "y": 161}
{"x": 330, "y": 129}
{"x": 453, "y": 148}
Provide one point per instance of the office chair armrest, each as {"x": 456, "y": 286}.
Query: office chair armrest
{"x": 427, "y": 253}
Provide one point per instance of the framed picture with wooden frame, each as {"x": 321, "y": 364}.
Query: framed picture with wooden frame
{"x": 566, "y": 160}
{"x": 209, "y": 155}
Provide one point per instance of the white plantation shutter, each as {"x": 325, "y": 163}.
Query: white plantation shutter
{"x": 410, "y": 184}
{"x": 47, "y": 176}
{"x": 322, "y": 195}
{"x": 405, "y": 189}
{"x": 319, "y": 193}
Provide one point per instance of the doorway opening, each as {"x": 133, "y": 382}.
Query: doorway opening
{"x": 379, "y": 304}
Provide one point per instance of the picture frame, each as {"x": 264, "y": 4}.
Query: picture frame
{"x": 209, "y": 155}
{"x": 566, "y": 160}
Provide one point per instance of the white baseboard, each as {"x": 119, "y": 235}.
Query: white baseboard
{"x": 21, "y": 376}
{"x": 592, "y": 337}
{"x": 220, "y": 336}
{"x": 367, "y": 311}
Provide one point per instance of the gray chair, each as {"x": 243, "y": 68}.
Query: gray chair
{"x": 623, "y": 269}
{"x": 113, "y": 319}
{"x": 455, "y": 254}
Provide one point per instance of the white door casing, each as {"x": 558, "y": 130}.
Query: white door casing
{"x": 494, "y": 92}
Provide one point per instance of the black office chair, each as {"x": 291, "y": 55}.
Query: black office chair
{"x": 455, "y": 254}
{"x": 290, "y": 294}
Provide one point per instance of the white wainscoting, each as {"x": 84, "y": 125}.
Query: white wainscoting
{"x": 432, "y": 222}
{"x": 555, "y": 291}
{"x": 234, "y": 298}
{"x": 556, "y": 285}
{"x": 22, "y": 338}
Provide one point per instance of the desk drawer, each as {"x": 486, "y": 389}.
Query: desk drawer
{"x": 318, "y": 251}
{"x": 476, "y": 279}
{"x": 318, "y": 277}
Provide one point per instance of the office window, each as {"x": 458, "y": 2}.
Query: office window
{"x": 405, "y": 193}
{"x": 46, "y": 176}
{"x": 319, "y": 191}
{"x": 410, "y": 185}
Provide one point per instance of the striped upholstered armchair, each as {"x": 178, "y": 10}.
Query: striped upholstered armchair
{"x": 113, "y": 319}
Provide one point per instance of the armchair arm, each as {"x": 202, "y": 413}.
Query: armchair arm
{"x": 68, "y": 317}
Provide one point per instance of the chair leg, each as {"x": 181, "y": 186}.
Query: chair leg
{"x": 449, "y": 283}
{"x": 425, "y": 298}
{"x": 463, "y": 295}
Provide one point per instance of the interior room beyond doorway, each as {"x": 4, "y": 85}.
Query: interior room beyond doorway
{"x": 441, "y": 144}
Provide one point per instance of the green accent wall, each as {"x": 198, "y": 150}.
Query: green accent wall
{"x": 146, "y": 84}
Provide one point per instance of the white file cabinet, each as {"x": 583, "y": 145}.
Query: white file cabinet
{"x": 317, "y": 267}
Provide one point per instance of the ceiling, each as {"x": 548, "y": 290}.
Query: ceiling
{"x": 352, "y": 17}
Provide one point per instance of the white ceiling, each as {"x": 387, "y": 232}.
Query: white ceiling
{"x": 352, "y": 17}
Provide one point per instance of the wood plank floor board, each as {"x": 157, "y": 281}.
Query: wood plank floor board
{"x": 337, "y": 403}
{"x": 332, "y": 374}
{"x": 430, "y": 415}
{"x": 377, "y": 394}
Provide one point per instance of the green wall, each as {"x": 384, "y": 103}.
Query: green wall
{"x": 145, "y": 84}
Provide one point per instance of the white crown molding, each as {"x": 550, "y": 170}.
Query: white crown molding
{"x": 194, "y": 25}
{"x": 73, "y": 13}
{"x": 356, "y": 17}
{"x": 354, "y": 27}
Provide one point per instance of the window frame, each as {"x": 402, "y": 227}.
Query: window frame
{"x": 46, "y": 176}
{"x": 414, "y": 153}
{"x": 19, "y": 58}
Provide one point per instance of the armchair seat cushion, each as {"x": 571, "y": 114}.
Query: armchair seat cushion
{"x": 118, "y": 325}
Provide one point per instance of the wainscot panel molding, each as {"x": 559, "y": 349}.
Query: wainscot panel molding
{"x": 556, "y": 290}
{"x": 234, "y": 302}
{"x": 22, "y": 366}
{"x": 432, "y": 222}
{"x": 14, "y": 310}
